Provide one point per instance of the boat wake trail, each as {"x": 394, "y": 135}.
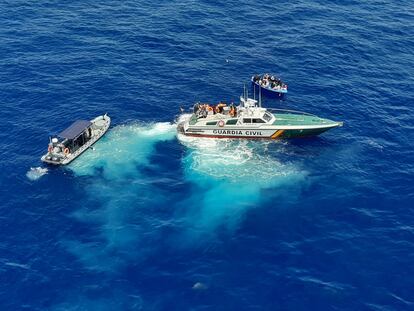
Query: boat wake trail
{"x": 117, "y": 155}
{"x": 120, "y": 196}
{"x": 36, "y": 172}
{"x": 126, "y": 205}
{"x": 229, "y": 178}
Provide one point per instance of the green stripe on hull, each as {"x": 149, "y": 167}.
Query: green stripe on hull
{"x": 302, "y": 133}
{"x": 297, "y": 119}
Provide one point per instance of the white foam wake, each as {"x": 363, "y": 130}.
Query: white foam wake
{"x": 36, "y": 172}
{"x": 122, "y": 149}
{"x": 235, "y": 160}
{"x": 229, "y": 176}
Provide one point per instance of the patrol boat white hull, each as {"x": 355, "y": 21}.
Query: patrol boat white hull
{"x": 254, "y": 122}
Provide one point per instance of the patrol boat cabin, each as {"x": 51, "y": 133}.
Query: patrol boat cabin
{"x": 250, "y": 120}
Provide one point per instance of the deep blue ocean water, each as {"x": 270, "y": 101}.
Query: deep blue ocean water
{"x": 148, "y": 221}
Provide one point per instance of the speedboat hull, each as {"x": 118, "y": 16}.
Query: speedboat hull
{"x": 251, "y": 121}
{"x": 256, "y": 133}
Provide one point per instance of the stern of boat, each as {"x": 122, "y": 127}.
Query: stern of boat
{"x": 54, "y": 158}
{"x": 181, "y": 128}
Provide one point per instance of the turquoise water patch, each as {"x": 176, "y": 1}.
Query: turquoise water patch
{"x": 120, "y": 197}
{"x": 124, "y": 148}
{"x": 229, "y": 178}
{"x": 226, "y": 179}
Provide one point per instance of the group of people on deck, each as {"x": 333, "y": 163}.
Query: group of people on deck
{"x": 269, "y": 81}
{"x": 202, "y": 110}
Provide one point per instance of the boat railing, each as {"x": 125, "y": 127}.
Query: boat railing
{"x": 291, "y": 111}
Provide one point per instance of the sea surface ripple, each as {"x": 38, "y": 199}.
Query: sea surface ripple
{"x": 149, "y": 220}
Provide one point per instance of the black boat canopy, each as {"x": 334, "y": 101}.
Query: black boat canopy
{"x": 75, "y": 129}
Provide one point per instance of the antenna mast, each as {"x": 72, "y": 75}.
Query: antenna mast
{"x": 254, "y": 91}
{"x": 260, "y": 97}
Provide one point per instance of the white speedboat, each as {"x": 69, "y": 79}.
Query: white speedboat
{"x": 250, "y": 120}
{"x": 77, "y": 138}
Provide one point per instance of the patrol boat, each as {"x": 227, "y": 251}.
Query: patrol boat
{"x": 77, "y": 138}
{"x": 250, "y": 120}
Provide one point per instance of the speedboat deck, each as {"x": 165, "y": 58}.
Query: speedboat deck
{"x": 74, "y": 140}
{"x": 249, "y": 120}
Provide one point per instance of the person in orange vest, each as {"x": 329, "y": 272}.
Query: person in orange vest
{"x": 231, "y": 112}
